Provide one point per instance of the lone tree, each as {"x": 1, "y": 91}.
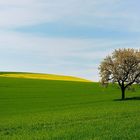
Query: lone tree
{"x": 122, "y": 67}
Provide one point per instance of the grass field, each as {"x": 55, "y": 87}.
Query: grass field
{"x": 37, "y": 109}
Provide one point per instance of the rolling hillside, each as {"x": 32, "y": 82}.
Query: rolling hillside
{"x": 36, "y": 109}
{"x": 41, "y": 76}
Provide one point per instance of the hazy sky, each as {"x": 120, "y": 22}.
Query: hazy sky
{"x": 68, "y": 37}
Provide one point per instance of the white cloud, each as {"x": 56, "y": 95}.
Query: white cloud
{"x": 103, "y": 13}
{"x": 79, "y": 57}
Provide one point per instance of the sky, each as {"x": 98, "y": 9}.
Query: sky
{"x": 68, "y": 37}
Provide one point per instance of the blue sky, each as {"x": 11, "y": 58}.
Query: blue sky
{"x": 67, "y": 37}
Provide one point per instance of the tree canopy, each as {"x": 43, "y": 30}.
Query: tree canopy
{"x": 122, "y": 67}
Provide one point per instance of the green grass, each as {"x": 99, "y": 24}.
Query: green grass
{"x": 32, "y": 109}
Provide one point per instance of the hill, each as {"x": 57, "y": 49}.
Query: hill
{"x": 66, "y": 110}
{"x": 41, "y": 76}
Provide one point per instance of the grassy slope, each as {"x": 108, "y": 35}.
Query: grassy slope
{"x": 60, "y": 110}
{"x": 41, "y": 76}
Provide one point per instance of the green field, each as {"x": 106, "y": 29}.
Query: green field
{"x": 37, "y": 109}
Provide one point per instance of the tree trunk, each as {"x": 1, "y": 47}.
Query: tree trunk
{"x": 123, "y": 93}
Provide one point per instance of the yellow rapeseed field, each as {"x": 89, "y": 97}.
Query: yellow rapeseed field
{"x": 43, "y": 76}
